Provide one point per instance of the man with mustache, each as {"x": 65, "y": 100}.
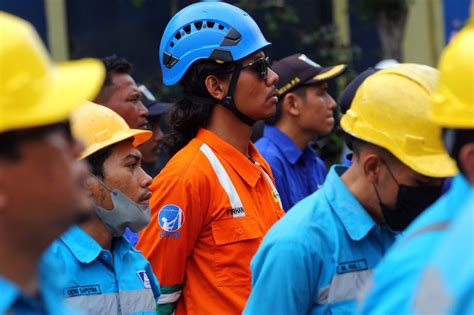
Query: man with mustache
{"x": 305, "y": 110}
{"x": 215, "y": 198}
{"x": 150, "y": 149}
{"x": 41, "y": 191}
{"x": 105, "y": 273}
{"x": 120, "y": 92}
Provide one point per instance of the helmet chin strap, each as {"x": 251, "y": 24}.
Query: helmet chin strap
{"x": 228, "y": 101}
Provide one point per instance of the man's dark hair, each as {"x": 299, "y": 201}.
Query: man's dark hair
{"x": 96, "y": 160}
{"x": 300, "y": 91}
{"x": 114, "y": 64}
{"x": 190, "y": 113}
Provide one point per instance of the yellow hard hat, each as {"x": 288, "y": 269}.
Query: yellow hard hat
{"x": 33, "y": 91}
{"x": 453, "y": 102}
{"x": 391, "y": 109}
{"x": 98, "y": 127}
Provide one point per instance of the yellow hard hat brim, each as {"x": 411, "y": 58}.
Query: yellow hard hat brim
{"x": 71, "y": 83}
{"x": 435, "y": 165}
{"x": 139, "y": 137}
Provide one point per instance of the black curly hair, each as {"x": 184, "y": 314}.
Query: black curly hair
{"x": 191, "y": 113}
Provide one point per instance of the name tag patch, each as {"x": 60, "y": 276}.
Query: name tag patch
{"x": 236, "y": 212}
{"x": 351, "y": 266}
{"x": 144, "y": 278}
{"x": 82, "y": 290}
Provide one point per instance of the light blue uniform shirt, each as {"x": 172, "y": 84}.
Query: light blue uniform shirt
{"x": 446, "y": 285}
{"x": 49, "y": 301}
{"x": 317, "y": 257}
{"x": 297, "y": 173}
{"x": 396, "y": 276}
{"x": 100, "y": 281}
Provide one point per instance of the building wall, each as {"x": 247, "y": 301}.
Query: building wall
{"x": 429, "y": 26}
{"x": 424, "y": 35}
{"x": 30, "y": 10}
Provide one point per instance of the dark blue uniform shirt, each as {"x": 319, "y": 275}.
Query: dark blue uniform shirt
{"x": 297, "y": 173}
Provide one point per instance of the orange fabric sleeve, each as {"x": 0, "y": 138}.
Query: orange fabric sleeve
{"x": 167, "y": 243}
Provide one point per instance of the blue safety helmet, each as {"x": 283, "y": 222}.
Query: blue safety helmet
{"x": 207, "y": 30}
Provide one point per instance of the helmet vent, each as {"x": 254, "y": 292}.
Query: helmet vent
{"x": 221, "y": 27}
{"x": 171, "y": 44}
{"x": 210, "y": 24}
{"x": 178, "y": 35}
{"x": 198, "y": 25}
{"x": 187, "y": 29}
{"x": 169, "y": 60}
{"x": 232, "y": 38}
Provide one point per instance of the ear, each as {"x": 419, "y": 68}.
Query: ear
{"x": 216, "y": 87}
{"x": 292, "y": 104}
{"x": 466, "y": 159}
{"x": 372, "y": 166}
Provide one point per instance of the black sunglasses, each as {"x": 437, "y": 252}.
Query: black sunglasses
{"x": 260, "y": 66}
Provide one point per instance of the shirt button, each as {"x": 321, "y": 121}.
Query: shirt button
{"x": 240, "y": 231}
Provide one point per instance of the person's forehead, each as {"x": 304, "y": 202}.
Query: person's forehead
{"x": 48, "y": 149}
{"x": 317, "y": 85}
{"x": 125, "y": 150}
{"x": 123, "y": 80}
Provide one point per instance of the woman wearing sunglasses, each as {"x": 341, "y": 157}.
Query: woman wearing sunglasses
{"x": 215, "y": 199}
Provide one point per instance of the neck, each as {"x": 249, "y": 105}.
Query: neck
{"x": 98, "y": 231}
{"x": 299, "y": 137}
{"x": 23, "y": 252}
{"x": 230, "y": 129}
{"x": 355, "y": 181}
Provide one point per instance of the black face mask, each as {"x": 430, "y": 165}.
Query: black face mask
{"x": 411, "y": 201}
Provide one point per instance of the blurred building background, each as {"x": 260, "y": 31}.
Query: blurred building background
{"x": 330, "y": 31}
{"x": 357, "y": 32}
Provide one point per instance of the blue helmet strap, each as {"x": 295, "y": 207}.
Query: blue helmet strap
{"x": 228, "y": 101}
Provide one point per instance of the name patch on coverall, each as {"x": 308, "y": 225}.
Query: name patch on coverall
{"x": 351, "y": 266}
{"x": 82, "y": 290}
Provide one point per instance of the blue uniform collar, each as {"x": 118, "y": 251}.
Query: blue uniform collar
{"x": 50, "y": 293}
{"x": 459, "y": 187}
{"x": 10, "y": 292}
{"x": 355, "y": 219}
{"x": 86, "y": 249}
{"x": 289, "y": 149}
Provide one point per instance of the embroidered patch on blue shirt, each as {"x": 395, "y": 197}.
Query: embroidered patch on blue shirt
{"x": 82, "y": 290}
{"x": 144, "y": 278}
{"x": 351, "y": 266}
